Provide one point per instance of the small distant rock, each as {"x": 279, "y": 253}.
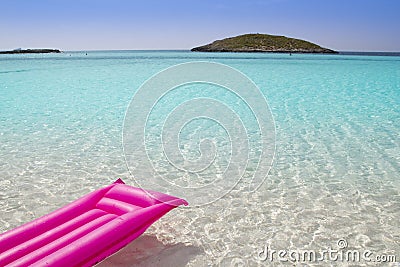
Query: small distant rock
{"x": 30, "y": 51}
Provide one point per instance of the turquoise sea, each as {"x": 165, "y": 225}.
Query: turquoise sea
{"x": 334, "y": 180}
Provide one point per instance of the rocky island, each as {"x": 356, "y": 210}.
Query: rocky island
{"x": 30, "y": 51}
{"x": 263, "y": 43}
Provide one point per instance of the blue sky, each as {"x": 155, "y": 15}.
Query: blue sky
{"x": 345, "y": 25}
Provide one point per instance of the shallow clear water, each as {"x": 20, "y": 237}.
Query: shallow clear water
{"x": 335, "y": 173}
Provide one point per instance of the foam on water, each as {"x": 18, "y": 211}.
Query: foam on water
{"x": 335, "y": 174}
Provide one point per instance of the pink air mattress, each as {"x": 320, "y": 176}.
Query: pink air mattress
{"x": 88, "y": 230}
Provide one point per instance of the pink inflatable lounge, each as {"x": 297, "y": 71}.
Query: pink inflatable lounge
{"x": 88, "y": 230}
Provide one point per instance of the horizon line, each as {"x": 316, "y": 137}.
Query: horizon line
{"x": 189, "y": 50}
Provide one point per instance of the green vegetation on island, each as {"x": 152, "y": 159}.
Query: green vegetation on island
{"x": 263, "y": 43}
{"x": 30, "y": 51}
